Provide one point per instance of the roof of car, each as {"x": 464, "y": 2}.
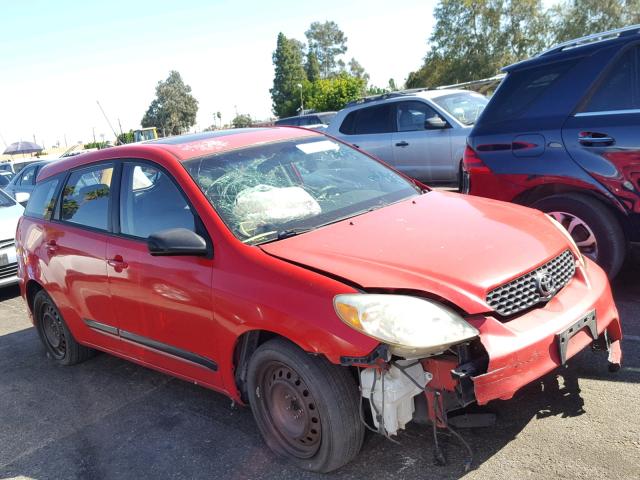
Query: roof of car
{"x": 416, "y": 92}
{"x": 579, "y": 47}
{"x": 183, "y": 147}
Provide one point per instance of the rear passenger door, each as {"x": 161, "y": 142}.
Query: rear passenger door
{"x": 370, "y": 129}
{"x": 419, "y": 149}
{"x": 74, "y": 245}
{"x": 163, "y": 303}
{"x": 603, "y": 136}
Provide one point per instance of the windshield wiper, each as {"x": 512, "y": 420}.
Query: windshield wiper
{"x": 292, "y": 232}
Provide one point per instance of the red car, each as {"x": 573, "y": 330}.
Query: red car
{"x": 300, "y": 276}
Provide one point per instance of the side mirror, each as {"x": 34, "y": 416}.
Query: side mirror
{"x": 22, "y": 198}
{"x": 176, "y": 242}
{"x": 435, "y": 123}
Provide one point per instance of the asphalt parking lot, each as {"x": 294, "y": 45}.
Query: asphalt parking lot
{"x": 108, "y": 418}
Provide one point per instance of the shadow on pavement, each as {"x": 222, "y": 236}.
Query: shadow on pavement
{"x": 109, "y": 418}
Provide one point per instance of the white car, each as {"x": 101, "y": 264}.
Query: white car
{"x": 10, "y": 213}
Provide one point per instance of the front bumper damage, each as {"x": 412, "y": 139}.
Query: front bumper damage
{"x": 508, "y": 354}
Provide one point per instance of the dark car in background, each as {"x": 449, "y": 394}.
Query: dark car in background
{"x": 562, "y": 134}
{"x": 311, "y": 120}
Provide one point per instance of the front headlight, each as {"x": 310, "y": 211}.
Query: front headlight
{"x": 412, "y": 326}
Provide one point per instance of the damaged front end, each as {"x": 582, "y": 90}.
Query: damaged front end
{"x": 432, "y": 374}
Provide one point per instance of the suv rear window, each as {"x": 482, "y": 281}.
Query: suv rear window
{"x": 620, "y": 88}
{"x": 42, "y": 201}
{"x": 521, "y": 88}
{"x": 368, "y": 120}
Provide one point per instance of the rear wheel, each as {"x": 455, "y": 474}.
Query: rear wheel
{"x": 306, "y": 408}
{"x": 592, "y": 226}
{"x": 54, "y": 333}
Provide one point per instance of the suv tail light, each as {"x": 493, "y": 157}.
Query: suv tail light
{"x": 472, "y": 164}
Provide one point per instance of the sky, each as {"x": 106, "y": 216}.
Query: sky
{"x": 60, "y": 58}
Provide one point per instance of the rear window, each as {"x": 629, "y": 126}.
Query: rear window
{"x": 619, "y": 89}
{"x": 368, "y": 120}
{"x": 521, "y": 88}
{"x": 42, "y": 199}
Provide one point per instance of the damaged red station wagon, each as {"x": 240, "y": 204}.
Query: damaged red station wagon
{"x": 298, "y": 275}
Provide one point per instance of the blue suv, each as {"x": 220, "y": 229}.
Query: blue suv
{"x": 562, "y": 134}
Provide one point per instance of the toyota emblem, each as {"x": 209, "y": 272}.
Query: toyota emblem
{"x": 545, "y": 284}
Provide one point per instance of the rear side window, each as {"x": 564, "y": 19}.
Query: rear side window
{"x": 619, "y": 89}
{"x": 521, "y": 88}
{"x": 85, "y": 197}
{"x": 368, "y": 120}
{"x": 42, "y": 201}
{"x": 150, "y": 202}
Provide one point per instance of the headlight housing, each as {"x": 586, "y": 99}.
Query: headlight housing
{"x": 413, "y": 327}
{"x": 572, "y": 242}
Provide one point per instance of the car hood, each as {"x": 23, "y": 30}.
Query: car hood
{"x": 9, "y": 217}
{"x": 446, "y": 245}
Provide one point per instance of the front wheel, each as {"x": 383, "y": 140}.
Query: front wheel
{"x": 592, "y": 226}
{"x": 306, "y": 408}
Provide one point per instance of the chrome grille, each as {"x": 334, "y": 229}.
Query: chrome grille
{"x": 7, "y": 271}
{"x": 7, "y": 243}
{"x": 526, "y": 291}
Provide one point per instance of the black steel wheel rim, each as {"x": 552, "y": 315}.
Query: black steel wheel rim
{"x": 290, "y": 410}
{"x": 53, "y": 331}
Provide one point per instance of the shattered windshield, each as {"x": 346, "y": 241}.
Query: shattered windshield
{"x": 272, "y": 191}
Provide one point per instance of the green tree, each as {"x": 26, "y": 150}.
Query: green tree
{"x": 312, "y": 67}
{"x": 327, "y": 42}
{"x": 474, "y": 39}
{"x": 242, "y": 121}
{"x": 126, "y": 137}
{"x": 289, "y": 73}
{"x": 334, "y": 93}
{"x": 577, "y": 18}
{"x": 357, "y": 70}
{"x": 174, "y": 109}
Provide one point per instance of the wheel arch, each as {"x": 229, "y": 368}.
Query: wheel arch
{"x": 537, "y": 193}
{"x": 32, "y": 288}
{"x": 245, "y": 346}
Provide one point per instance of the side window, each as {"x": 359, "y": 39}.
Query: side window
{"x": 620, "y": 88}
{"x": 348, "y": 124}
{"x": 373, "y": 120}
{"x": 27, "y": 176}
{"x": 85, "y": 197}
{"x": 412, "y": 116}
{"x": 150, "y": 202}
{"x": 42, "y": 199}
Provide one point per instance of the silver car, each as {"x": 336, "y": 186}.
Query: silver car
{"x": 422, "y": 133}
{"x": 10, "y": 213}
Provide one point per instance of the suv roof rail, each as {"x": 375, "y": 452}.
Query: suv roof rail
{"x": 384, "y": 96}
{"x": 474, "y": 83}
{"x": 594, "y": 38}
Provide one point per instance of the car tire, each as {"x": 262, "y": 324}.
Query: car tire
{"x": 306, "y": 408}
{"x": 54, "y": 333}
{"x": 598, "y": 221}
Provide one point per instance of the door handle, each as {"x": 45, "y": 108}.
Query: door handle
{"x": 402, "y": 144}
{"x": 52, "y": 246}
{"x": 357, "y": 146}
{"x": 117, "y": 263}
{"x": 595, "y": 139}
